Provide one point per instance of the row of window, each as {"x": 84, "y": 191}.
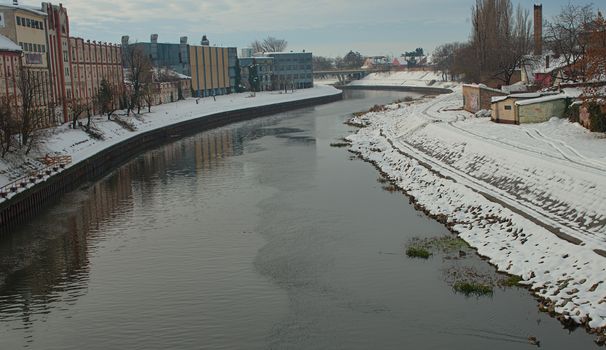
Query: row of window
{"x": 30, "y": 23}
{"x": 29, "y": 47}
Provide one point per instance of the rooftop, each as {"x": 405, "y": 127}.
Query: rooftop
{"x": 7, "y": 44}
{"x": 32, "y": 9}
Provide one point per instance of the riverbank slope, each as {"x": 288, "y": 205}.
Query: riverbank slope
{"x": 526, "y": 197}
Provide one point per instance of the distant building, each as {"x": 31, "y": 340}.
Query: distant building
{"x": 292, "y": 70}
{"x": 528, "y": 108}
{"x": 246, "y": 52}
{"x": 166, "y": 55}
{"x": 376, "y": 62}
{"x": 264, "y": 70}
{"x": 210, "y": 70}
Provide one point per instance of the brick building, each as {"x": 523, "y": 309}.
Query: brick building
{"x": 10, "y": 55}
{"x": 26, "y": 26}
{"x": 90, "y": 63}
{"x": 478, "y": 97}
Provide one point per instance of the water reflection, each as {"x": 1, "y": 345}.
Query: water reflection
{"x": 47, "y": 261}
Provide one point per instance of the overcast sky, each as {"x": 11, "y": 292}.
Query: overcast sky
{"x": 325, "y": 27}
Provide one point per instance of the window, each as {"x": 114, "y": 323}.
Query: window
{"x": 29, "y": 22}
{"x": 21, "y": 44}
{"x": 18, "y": 20}
{"x": 508, "y": 108}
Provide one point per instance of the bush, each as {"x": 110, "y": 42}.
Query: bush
{"x": 473, "y": 288}
{"x": 511, "y": 281}
{"x": 597, "y": 116}
{"x": 417, "y": 252}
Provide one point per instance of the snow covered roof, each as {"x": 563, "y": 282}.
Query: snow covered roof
{"x": 538, "y": 65}
{"x": 32, "y": 9}
{"x": 547, "y": 98}
{"x": 7, "y": 44}
{"x": 525, "y": 96}
{"x": 484, "y": 87}
{"x": 496, "y": 99}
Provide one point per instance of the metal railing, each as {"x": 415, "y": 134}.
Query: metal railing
{"x": 53, "y": 165}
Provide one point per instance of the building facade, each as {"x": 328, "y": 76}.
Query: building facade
{"x": 26, "y": 26}
{"x": 210, "y": 71}
{"x": 479, "y": 97}
{"x": 59, "y": 55}
{"x": 171, "y": 56}
{"x": 264, "y": 70}
{"x": 10, "y": 57}
{"x": 292, "y": 70}
{"x": 90, "y": 63}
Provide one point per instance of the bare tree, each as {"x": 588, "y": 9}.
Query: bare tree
{"x": 140, "y": 73}
{"x": 444, "y": 58}
{"x": 323, "y": 63}
{"x": 595, "y": 58}
{"x": 500, "y": 41}
{"x": 564, "y": 36}
{"x": 8, "y": 125}
{"x": 269, "y": 44}
{"x": 30, "y": 113}
{"x": 77, "y": 107}
{"x": 149, "y": 93}
{"x": 106, "y": 99}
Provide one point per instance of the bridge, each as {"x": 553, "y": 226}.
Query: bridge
{"x": 343, "y": 76}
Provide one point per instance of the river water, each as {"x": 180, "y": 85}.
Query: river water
{"x": 258, "y": 235}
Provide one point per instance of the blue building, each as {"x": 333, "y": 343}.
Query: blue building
{"x": 165, "y": 55}
{"x": 292, "y": 70}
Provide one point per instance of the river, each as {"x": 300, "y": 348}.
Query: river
{"x": 258, "y": 235}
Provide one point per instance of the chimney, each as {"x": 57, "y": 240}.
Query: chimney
{"x": 183, "y": 40}
{"x": 538, "y": 30}
{"x": 154, "y": 38}
{"x": 15, "y": 2}
{"x": 125, "y": 40}
{"x": 547, "y": 62}
{"x": 205, "y": 41}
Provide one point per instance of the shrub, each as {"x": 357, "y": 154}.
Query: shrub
{"x": 597, "y": 116}
{"x": 472, "y": 288}
{"x": 511, "y": 281}
{"x": 417, "y": 252}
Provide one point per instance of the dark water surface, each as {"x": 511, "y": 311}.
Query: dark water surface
{"x": 253, "y": 236}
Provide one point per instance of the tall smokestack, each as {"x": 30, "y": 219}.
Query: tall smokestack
{"x": 538, "y": 30}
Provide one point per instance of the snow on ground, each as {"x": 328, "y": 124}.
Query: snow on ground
{"x": 405, "y": 78}
{"x": 76, "y": 143}
{"x": 530, "y": 198}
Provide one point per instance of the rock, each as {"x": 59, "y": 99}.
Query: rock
{"x": 534, "y": 341}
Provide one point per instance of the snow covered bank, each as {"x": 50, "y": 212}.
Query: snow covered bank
{"x": 419, "y": 79}
{"x": 512, "y": 192}
{"x": 79, "y": 145}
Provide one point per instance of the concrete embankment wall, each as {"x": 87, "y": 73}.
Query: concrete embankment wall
{"x": 26, "y": 204}
{"x": 418, "y": 89}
